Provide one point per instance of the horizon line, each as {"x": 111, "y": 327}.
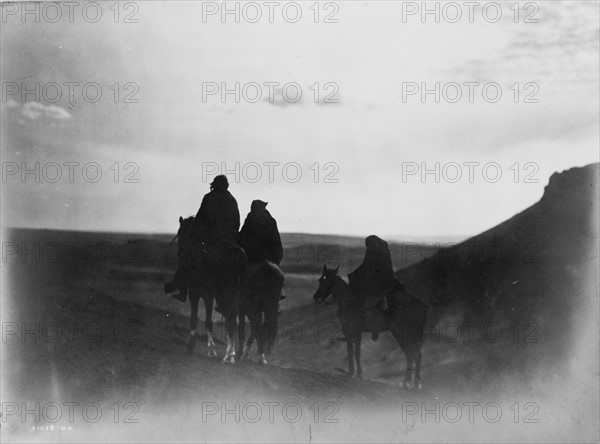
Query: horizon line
{"x": 391, "y": 237}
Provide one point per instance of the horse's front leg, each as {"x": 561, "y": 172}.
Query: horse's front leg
{"x": 230, "y": 324}
{"x": 230, "y": 292}
{"x": 357, "y": 343}
{"x": 241, "y": 333}
{"x": 255, "y": 317}
{"x": 194, "y": 299}
{"x": 248, "y": 345}
{"x": 210, "y": 342}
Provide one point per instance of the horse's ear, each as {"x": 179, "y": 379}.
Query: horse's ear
{"x": 180, "y": 220}
{"x": 337, "y": 269}
{"x": 324, "y": 268}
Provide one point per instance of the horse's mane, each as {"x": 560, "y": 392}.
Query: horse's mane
{"x": 186, "y": 228}
{"x": 187, "y": 224}
{"x": 343, "y": 280}
{"x": 345, "y": 286}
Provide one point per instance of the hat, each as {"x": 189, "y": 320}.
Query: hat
{"x": 373, "y": 241}
{"x": 220, "y": 182}
{"x": 258, "y": 205}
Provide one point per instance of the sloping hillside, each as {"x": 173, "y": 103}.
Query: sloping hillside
{"x": 535, "y": 275}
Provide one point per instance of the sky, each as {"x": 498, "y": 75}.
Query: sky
{"x": 360, "y": 159}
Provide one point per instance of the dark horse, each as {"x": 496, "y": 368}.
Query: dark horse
{"x": 213, "y": 275}
{"x": 260, "y": 302}
{"x": 240, "y": 290}
{"x": 405, "y": 319}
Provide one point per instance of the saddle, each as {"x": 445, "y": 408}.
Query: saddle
{"x": 378, "y": 306}
{"x": 395, "y": 295}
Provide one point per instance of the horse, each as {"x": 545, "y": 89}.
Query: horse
{"x": 405, "y": 319}
{"x": 215, "y": 274}
{"x": 259, "y": 301}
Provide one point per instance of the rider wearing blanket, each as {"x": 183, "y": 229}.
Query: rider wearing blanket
{"x": 215, "y": 229}
{"x": 218, "y": 219}
{"x": 260, "y": 237}
{"x": 375, "y": 275}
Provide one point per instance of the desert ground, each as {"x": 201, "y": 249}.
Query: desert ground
{"x": 511, "y": 351}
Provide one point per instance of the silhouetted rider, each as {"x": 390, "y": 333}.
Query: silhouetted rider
{"x": 376, "y": 274}
{"x": 216, "y": 226}
{"x": 218, "y": 219}
{"x": 260, "y": 236}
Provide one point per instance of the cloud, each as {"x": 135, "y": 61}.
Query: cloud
{"x": 35, "y": 110}
{"x": 565, "y": 41}
{"x": 11, "y": 104}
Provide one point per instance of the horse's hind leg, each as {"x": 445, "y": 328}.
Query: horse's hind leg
{"x": 230, "y": 291}
{"x": 409, "y": 354}
{"x": 210, "y": 342}
{"x": 248, "y": 345}
{"x": 357, "y": 343}
{"x": 350, "y": 348}
{"x": 255, "y": 316}
{"x": 417, "y": 373}
{"x": 409, "y": 375}
{"x": 244, "y": 345}
{"x": 194, "y": 299}
{"x": 267, "y": 332}
{"x": 241, "y": 332}
{"x": 270, "y": 326}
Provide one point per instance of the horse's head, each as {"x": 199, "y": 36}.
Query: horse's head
{"x": 326, "y": 284}
{"x": 185, "y": 234}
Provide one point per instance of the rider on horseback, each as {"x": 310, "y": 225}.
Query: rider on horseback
{"x": 216, "y": 226}
{"x": 218, "y": 219}
{"x": 260, "y": 236}
{"x": 375, "y": 275}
